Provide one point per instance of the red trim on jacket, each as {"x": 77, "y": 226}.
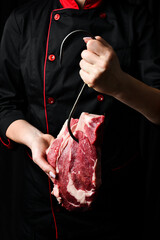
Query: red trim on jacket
{"x": 134, "y": 157}
{"x": 9, "y": 145}
{"x": 73, "y": 4}
{"x": 44, "y": 77}
{"x": 45, "y": 109}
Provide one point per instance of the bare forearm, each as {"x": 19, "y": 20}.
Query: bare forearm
{"x": 22, "y": 132}
{"x": 100, "y": 69}
{"x": 141, "y": 97}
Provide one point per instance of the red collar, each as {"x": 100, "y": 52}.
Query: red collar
{"x": 88, "y": 4}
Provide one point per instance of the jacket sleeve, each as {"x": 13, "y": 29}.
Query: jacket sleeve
{"x": 147, "y": 47}
{"x": 12, "y": 93}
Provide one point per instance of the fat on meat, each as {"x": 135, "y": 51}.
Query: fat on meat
{"x": 78, "y": 165}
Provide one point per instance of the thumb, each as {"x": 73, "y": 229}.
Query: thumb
{"x": 86, "y": 39}
{"x": 46, "y": 167}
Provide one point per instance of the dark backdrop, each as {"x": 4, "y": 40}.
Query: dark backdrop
{"x": 11, "y": 168}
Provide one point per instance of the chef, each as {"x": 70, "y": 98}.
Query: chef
{"x": 120, "y": 67}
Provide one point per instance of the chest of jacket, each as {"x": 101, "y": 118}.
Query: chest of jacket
{"x": 45, "y": 78}
{"x": 51, "y": 88}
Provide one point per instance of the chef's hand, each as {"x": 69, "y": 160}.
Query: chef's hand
{"x": 39, "y": 148}
{"x": 100, "y": 68}
{"x": 23, "y": 132}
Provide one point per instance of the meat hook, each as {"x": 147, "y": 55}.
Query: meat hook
{"x": 84, "y": 84}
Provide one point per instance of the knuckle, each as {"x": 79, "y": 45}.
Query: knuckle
{"x": 45, "y": 169}
{"x": 84, "y": 53}
{"x": 98, "y": 37}
{"x": 81, "y": 73}
{"x": 93, "y": 79}
{"x": 108, "y": 53}
{"x": 80, "y": 64}
{"x": 104, "y": 64}
{"x": 96, "y": 74}
{"x": 111, "y": 56}
{"x": 107, "y": 59}
{"x": 91, "y": 44}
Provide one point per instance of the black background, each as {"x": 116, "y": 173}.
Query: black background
{"x": 11, "y": 168}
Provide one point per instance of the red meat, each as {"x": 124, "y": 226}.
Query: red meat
{"x": 78, "y": 171}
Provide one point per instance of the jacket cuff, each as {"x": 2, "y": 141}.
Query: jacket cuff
{"x": 4, "y": 124}
{"x": 9, "y": 144}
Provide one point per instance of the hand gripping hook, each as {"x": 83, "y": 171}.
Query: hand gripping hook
{"x": 78, "y": 97}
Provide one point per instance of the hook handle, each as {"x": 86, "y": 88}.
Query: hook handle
{"x": 78, "y": 97}
{"x": 68, "y": 36}
{"x": 72, "y": 112}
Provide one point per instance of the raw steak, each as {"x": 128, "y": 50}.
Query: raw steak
{"x": 77, "y": 164}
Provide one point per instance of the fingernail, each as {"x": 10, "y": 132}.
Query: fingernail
{"x": 86, "y": 39}
{"x": 52, "y": 174}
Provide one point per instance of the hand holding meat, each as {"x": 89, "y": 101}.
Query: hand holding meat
{"x": 100, "y": 68}
{"x": 39, "y": 147}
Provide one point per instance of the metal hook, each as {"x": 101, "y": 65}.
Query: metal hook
{"x": 78, "y": 97}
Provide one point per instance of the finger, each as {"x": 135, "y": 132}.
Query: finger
{"x": 90, "y": 57}
{"x": 85, "y": 66}
{"x": 45, "y": 166}
{"x": 86, "y": 39}
{"x": 52, "y": 176}
{"x": 98, "y": 47}
{"x": 86, "y": 77}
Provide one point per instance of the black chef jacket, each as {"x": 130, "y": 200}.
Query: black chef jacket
{"x": 34, "y": 86}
